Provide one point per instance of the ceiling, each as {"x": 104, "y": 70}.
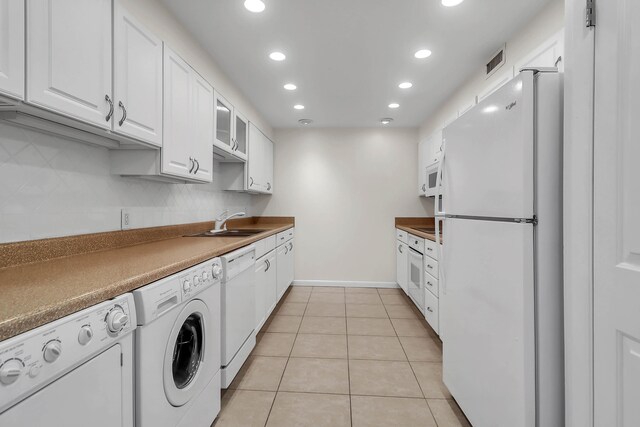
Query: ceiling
{"x": 347, "y": 57}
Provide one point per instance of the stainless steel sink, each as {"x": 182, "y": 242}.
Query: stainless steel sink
{"x": 230, "y": 233}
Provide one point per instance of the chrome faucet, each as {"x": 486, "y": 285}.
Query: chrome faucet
{"x": 221, "y": 220}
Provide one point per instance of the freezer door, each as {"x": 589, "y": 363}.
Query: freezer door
{"x": 488, "y": 161}
{"x": 487, "y": 321}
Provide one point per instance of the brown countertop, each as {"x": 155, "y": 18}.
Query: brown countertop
{"x": 36, "y": 293}
{"x": 414, "y": 226}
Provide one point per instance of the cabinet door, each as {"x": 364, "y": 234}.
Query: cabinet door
{"x": 271, "y": 284}
{"x": 402, "y": 265}
{"x": 255, "y": 163}
{"x": 548, "y": 54}
{"x": 223, "y": 123}
{"x": 177, "y": 129}
{"x": 69, "y": 58}
{"x": 267, "y": 164}
{"x": 422, "y": 166}
{"x": 202, "y": 125}
{"x": 240, "y": 135}
{"x": 290, "y": 263}
{"x": 282, "y": 269}
{"x": 12, "y": 52}
{"x": 137, "y": 89}
{"x": 262, "y": 267}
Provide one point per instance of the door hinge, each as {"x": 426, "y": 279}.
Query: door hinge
{"x": 591, "y": 14}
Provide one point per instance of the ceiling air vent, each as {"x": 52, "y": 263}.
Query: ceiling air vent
{"x": 496, "y": 61}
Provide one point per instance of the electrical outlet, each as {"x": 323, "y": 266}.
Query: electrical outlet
{"x": 125, "y": 219}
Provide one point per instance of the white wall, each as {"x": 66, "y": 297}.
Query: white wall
{"x": 345, "y": 187}
{"x": 156, "y": 17}
{"x": 543, "y": 27}
{"x": 51, "y": 187}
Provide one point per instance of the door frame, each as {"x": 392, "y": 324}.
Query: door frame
{"x": 578, "y": 214}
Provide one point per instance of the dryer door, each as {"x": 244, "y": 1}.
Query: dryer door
{"x": 188, "y": 354}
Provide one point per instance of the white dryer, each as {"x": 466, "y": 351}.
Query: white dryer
{"x": 74, "y": 372}
{"x": 178, "y": 348}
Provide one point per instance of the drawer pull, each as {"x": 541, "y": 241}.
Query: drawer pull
{"x": 429, "y": 309}
{"x": 430, "y": 249}
{"x": 428, "y": 266}
{"x": 430, "y": 284}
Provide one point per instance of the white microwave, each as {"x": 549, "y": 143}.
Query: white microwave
{"x": 432, "y": 179}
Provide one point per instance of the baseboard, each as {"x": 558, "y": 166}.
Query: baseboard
{"x": 345, "y": 284}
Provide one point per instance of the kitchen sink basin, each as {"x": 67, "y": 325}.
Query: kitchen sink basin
{"x": 230, "y": 233}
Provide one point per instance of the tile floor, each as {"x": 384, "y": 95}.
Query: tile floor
{"x": 335, "y": 357}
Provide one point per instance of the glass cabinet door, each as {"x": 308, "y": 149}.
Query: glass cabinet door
{"x": 241, "y": 135}
{"x": 223, "y": 121}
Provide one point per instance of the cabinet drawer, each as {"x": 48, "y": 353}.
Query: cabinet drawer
{"x": 431, "y": 284}
{"x": 284, "y": 236}
{"x": 401, "y": 235}
{"x": 432, "y": 311}
{"x": 416, "y": 243}
{"x": 431, "y": 266}
{"x": 431, "y": 249}
{"x": 265, "y": 246}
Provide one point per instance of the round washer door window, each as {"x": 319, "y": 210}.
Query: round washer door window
{"x": 185, "y": 353}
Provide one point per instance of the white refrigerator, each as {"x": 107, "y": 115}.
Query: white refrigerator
{"x": 501, "y": 266}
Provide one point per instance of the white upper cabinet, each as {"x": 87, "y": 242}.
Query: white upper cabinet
{"x": 268, "y": 166}
{"x": 177, "y": 158}
{"x": 69, "y": 60}
{"x": 137, "y": 79}
{"x": 548, "y": 54}
{"x": 12, "y": 35}
{"x": 260, "y": 163}
{"x": 202, "y": 125}
{"x": 231, "y": 131}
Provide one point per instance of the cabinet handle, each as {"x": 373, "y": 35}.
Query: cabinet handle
{"x": 400, "y": 248}
{"x": 430, "y": 249}
{"x": 424, "y": 187}
{"x": 286, "y": 249}
{"x": 557, "y": 61}
{"x": 251, "y": 183}
{"x": 429, "y": 266}
{"x": 429, "y": 283}
{"x": 197, "y": 166}
{"x": 268, "y": 265}
{"x": 110, "y": 113}
{"x": 429, "y": 309}
{"x": 268, "y": 186}
{"x": 290, "y": 246}
{"x": 124, "y": 113}
{"x": 233, "y": 144}
{"x": 192, "y": 164}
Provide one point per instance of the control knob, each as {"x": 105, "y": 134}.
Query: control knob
{"x": 206, "y": 276}
{"x": 85, "y": 334}
{"x": 186, "y": 286}
{"x": 52, "y": 350}
{"x": 116, "y": 320}
{"x": 216, "y": 270}
{"x": 196, "y": 281}
{"x": 10, "y": 371}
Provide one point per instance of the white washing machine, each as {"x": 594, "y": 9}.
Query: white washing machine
{"x": 74, "y": 372}
{"x": 178, "y": 349}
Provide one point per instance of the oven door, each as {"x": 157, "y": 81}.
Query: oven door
{"x": 415, "y": 282}
{"x": 432, "y": 179}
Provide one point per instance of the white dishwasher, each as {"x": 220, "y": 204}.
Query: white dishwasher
{"x": 74, "y": 372}
{"x": 238, "y": 310}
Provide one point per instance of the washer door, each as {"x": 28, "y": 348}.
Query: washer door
{"x": 184, "y": 359}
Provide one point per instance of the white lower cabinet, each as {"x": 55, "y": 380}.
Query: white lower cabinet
{"x": 432, "y": 311}
{"x": 266, "y": 287}
{"x": 12, "y": 52}
{"x": 285, "y": 263}
{"x": 402, "y": 262}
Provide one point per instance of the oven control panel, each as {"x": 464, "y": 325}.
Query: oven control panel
{"x": 33, "y": 359}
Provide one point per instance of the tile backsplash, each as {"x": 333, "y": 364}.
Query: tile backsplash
{"x": 51, "y": 187}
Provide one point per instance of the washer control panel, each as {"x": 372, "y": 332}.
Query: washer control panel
{"x": 158, "y": 298}
{"x": 33, "y": 359}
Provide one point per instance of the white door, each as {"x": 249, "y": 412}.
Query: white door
{"x": 223, "y": 123}
{"x": 177, "y": 158}
{"x": 202, "y": 124}
{"x": 69, "y": 63}
{"x": 12, "y": 51}
{"x": 488, "y": 158}
{"x": 282, "y": 267}
{"x": 291, "y": 263}
{"x": 262, "y": 268}
{"x": 267, "y": 165}
{"x": 487, "y": 319}
{"x": 137, "y": 89}
{"x": 240, "y": 134}
{"x": 616, "y": 212}
{"x": 402, "y": 264}
{"x": 271, "y": 283}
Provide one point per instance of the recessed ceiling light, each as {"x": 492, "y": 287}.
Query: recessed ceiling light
{"x": 386, "y": 120}
{"x": 394, "y": 105}
{"x": 422, "y": 53}
{"x": 290, "y": 86}
{"x": 490, "y": 109}
{"x": 405, "y": 85}
{"x": 277, "y": 56}
{"x": 298, "y": 107}
{"x": 305, "y": 121}
{"x": 451, "y": 3}
{"x": 255, "y": 6}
